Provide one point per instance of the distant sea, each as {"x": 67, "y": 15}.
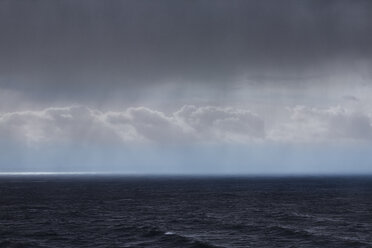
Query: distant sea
{"x": 108, "y": 211}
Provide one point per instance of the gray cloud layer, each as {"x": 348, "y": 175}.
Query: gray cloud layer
{"x": 188, "y": 125}
{"x": 79, "y": 50}
{"x": 136, "y": 125}
{"x": 327, "y": 124}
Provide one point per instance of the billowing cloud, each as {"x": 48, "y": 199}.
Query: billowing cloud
{"x": 223, "y": 123}
{"x": 82, "y": 124}
{"x": 56, "y": 125}
{"x": 324, "y": 124}
{"x": 187, "y": 125}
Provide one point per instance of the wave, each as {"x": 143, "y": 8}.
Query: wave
{"x": 19, "y": 244}
{"x": 188, "y": 241}
{"x": 155, "y": 235}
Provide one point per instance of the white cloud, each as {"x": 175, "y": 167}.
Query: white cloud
{"x": 56, "y": 125}
{"x": 189, "y": 124}
{"x": 148, "y": 125}
{"x": 82, "y": 124}
{"x": 323, "y": 124}
{"x": 229, "y": 124}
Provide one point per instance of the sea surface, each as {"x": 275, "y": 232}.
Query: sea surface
{"x": 105, "y": 211}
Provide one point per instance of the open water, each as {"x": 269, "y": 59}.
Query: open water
{"x": 93, "y": 211}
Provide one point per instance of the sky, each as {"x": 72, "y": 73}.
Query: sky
{"x": 186, "y": 86}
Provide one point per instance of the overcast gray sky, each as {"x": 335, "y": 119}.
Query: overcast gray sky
{"x": 184, "y": 73}
{"x": 90, "y": 50}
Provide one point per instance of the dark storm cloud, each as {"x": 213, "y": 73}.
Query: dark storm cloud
{"x": 89, "y": 48}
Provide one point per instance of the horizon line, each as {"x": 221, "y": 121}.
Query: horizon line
{"x": 136, "y": 174}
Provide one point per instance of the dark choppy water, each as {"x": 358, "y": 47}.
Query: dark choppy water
{"x": 185, "y": 212}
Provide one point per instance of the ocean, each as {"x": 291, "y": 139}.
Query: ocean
{"x": 119, "y": 211}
